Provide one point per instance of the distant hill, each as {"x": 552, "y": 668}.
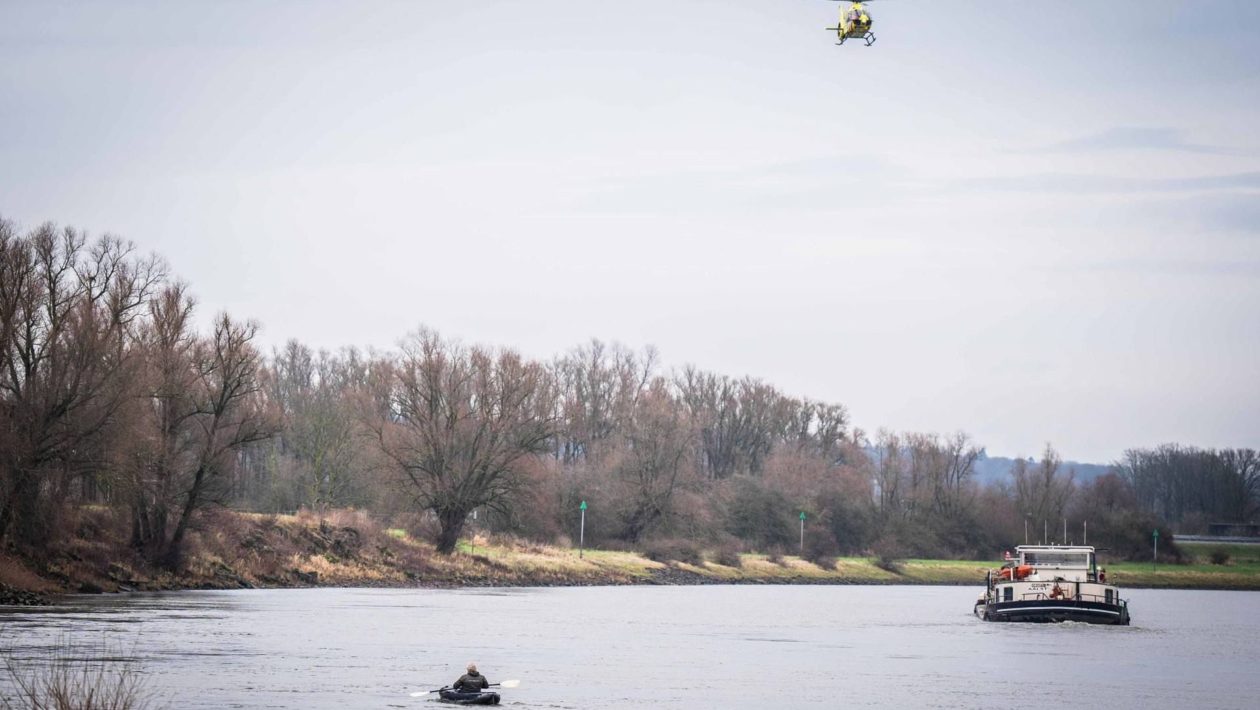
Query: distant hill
{"x": 997, "y": 469}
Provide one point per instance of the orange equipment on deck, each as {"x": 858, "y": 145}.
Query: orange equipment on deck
{"x": 1020, "y": 572}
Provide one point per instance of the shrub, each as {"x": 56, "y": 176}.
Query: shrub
{"x": 1126, "y": 535}
{"x": 673, "y": 551}
{"x": 760, "y": 515}
{"x": 1219, "y": 556}
{"x": 888, "y": 554}
{"x": 849, "y": 520}
{"x": 820, "y": 547}
{"x": 420, "y": 525}
{"x": 728, "y": 554}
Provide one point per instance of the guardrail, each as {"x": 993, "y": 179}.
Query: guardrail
{"x": 1097, "y": 598}
{"x": 1233, "y": 540}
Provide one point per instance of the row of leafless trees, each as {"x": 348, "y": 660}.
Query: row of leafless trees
{"x": 111, "y": 394}
{"x": 1193, "y": 486}
{"x": 685, "y": 454}
{"x": 470, "y": 428}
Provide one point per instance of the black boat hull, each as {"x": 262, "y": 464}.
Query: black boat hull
{"x": 459, "y": 698}
{"x": 1055, "y": 610}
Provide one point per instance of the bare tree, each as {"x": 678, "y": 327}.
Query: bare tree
{"x": 203, "y": 405}
{"x": 889, "y": 471}
{"x": 656, "y": 444}
{"x": 817, "y": 428}
{"x": 739, "y": 421}
{"x": 459, "y": 424}
{"x": 231, "y": 412}
{"x": 934, "y": 474}
{"x": 1241, "y": 484}
{"x": 66, "y": 314}
{"x": 599, "y": 387}
{"x": 1042, "y": 493}
{"x": 320, "y": 434}
{"x": 955, "y": 465}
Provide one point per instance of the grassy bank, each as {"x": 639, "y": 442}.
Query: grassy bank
{"x": 1237, "y": 567}
{"x": 345, "y": 548}
{"x": 1242, "y": 571}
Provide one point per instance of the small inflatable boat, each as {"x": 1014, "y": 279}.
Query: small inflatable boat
{"x": 460, "y": 697}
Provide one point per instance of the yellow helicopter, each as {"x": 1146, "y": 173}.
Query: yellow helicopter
{"x": 855, "y": 23}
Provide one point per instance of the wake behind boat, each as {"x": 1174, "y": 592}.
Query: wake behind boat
{"x": 1048, "y": 583}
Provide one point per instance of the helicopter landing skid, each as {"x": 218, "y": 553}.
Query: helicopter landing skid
{"x": 868, "y": 38}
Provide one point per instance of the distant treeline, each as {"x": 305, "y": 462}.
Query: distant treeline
{"x": 109, "y": 396}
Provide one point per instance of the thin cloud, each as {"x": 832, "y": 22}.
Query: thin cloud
{"x": 1134, "y": 138}
{"x": 1080, "y": 183}
{"x": 1247, "y": 268}
{"x": 801, "y": 185}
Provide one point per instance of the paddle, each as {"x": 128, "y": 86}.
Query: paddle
{"x": 504, "y": 684}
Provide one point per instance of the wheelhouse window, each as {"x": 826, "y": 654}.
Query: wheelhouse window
{"x": 1060, "y": 560}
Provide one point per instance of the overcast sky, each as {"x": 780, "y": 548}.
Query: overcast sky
{"x": 1033, "y": 222}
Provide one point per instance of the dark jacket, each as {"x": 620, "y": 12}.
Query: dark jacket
{"x": 471, "y": 682}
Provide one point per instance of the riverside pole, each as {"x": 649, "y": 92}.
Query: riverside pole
{"x": 802, "y": 533}
{"x": 1155, "y": 553}
{"x": 582, "y": 533}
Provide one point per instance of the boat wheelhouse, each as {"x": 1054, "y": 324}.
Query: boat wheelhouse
{"x": 1047, "y": 583}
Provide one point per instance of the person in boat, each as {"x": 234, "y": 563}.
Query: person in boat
{"x": 471, "y": 682}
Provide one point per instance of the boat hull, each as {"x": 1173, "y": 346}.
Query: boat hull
{"x": 1054, "y": 610}
{"x": 459, "y": 698}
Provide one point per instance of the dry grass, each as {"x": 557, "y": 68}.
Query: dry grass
{"x": 14, "y": 573}
{"x": 62, "y": 681}
{"x": 338, "y": 571}
{"x": 944, "y": 571}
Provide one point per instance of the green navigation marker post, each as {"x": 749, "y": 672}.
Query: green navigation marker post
{"x": 1155, "y": 554}
{"x": 802, "y": 533}
{"x": 582, "y": 532}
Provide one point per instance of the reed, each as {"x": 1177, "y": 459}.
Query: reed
{"x": 67, "y": 678}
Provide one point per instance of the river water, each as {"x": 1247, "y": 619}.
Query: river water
{"x": 654, "y": 647}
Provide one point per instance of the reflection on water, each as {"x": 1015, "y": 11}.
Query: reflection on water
{"x": 641, "y": 647}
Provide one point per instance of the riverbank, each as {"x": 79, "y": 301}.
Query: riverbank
{"x": 345, "y": 548}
